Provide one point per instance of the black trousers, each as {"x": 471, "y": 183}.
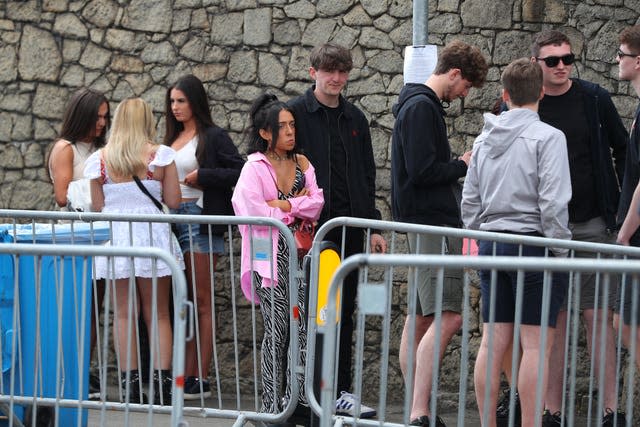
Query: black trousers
{"x": 354, "y": 244}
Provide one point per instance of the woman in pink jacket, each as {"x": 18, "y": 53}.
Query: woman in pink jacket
{"x": 276, "y": 182}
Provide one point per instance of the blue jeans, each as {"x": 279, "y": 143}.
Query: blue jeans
{"x": 189, "y": 236}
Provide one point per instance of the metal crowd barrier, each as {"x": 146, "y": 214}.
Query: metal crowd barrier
{"x": 236, "y": 323}
{"x": 375, "y": 338}
{"x": 375, "y": 299}
{"x": 44, "y": 315}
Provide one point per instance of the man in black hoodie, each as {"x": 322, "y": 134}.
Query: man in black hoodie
{"x": 425, "y": 190}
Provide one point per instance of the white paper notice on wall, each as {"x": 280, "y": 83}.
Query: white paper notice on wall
{"x": 419, "y": 62}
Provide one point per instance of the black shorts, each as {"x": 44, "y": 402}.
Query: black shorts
{"x": 506, "y": 285}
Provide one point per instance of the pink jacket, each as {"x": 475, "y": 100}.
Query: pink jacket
{"x": 255, "y": 187}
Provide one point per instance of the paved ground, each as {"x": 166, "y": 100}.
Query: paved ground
{"x": 118, "y": 418}
{"x": 134, "y": 419}
{"x": 104, "y": 417}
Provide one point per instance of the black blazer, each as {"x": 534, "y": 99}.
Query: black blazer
{"x": 217, "y": 175}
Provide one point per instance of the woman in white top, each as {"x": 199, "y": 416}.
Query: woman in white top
{"x": 84, "y": 126}
{"x": 208, "y": 166}
{"x": 131, "y": 152}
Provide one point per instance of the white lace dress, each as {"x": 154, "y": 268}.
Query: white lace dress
{"x": 127, "y": 198}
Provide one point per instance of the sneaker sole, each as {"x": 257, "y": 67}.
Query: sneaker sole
{"x": 369, "y": 414}
{"x": 196, "y": 396}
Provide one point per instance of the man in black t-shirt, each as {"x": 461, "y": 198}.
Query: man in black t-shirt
{"x": 628, "y": 57}
{"x": 596, "y": 144}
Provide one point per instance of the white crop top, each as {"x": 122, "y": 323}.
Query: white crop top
{"x": 186, "y": 162}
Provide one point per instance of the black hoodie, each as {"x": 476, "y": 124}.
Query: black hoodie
{"x": 424, "y": 178}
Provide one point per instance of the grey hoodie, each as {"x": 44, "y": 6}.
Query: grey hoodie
{"x": 518, "y": 179}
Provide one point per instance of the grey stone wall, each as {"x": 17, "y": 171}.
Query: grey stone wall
{"x": 240, "y": 48}
{"x": 49, "y": 48}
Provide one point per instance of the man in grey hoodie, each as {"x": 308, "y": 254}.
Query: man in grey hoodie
{"x": 518, "y": 182}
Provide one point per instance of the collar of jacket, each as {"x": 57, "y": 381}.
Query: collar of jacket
{"x": 257, "y": 156}
{"x": 312, "y": 104}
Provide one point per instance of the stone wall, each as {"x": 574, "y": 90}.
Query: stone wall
{"x": 240, "y": 48}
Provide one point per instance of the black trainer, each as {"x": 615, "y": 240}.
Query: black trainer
{"x": 192, "y": 388}
{"x": 614, "y": 419}
{"x": 136, "y": 395}
{"x": 502, "y": 411}
{"x": 553, "y": 420}
{"x": 94, "y": 387}
{"x": 162, "y": 383}
{"x": 424, "y": 421}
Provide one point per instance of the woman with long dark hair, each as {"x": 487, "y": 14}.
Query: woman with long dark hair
{"x": 276, "y": 182}
{"x": 208, "y": 166}
{"x": 84, "y": 126}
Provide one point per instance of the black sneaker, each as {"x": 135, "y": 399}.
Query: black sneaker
{"x": 614, "y": 419}
{"x": 192, "y": 388}
{"x": 94, "y": 387}
{"x": 425, "y": 422}
{"x": 502, "y": 411}
{"x": 162, "y": 383}
{"x": 136, "y": 395}
{"x": 552, "y": 420}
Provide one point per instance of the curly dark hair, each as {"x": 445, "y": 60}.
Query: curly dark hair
{"x": 468, "y": 59}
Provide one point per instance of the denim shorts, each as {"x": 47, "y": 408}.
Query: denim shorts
{"x": 189, "y": 236}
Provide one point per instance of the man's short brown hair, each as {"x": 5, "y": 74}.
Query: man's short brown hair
{"x": 523, "y": 80}
{"x": 546, "y": 38}
{"x": 631, "y": 37}
{"x": 468, "y": 59}
{"x": 331, "y": 57}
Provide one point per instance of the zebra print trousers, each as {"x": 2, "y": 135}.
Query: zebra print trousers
{"x": 275, "y": 364}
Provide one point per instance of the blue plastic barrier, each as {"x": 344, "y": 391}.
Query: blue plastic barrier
{"x": 54, "y": 312}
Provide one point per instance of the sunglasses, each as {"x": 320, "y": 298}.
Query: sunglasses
{"x": 621, "y": 54}
{"x": 552, "y": 61}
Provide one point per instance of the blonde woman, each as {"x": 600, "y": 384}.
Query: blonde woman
{"x": 129, "y": 154}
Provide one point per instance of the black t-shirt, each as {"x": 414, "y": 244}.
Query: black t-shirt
{"x": 566, "y": 112}
{"x": 631, "y": 175}
{"x": 339, "y": 197}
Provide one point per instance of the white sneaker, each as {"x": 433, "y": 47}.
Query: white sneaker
{"x": 347, "y": 404}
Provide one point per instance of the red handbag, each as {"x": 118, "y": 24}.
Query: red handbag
{"x": 304, "y": 237}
